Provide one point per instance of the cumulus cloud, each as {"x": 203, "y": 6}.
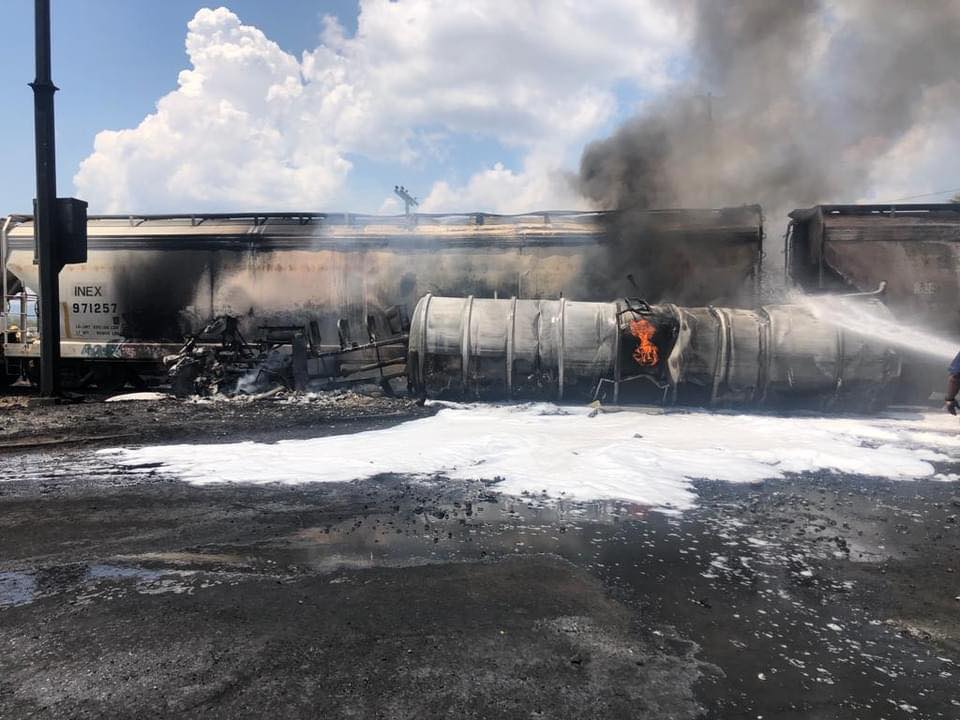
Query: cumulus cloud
{"x": 815, "y": 100}
{"x": 538, "y": 185}
{"x": 228, "y": 137}
{"x": 251, "y": 126}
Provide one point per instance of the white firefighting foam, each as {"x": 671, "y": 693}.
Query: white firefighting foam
{"x": 643, "y": 456}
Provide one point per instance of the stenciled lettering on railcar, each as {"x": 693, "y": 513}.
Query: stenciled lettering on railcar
{"x": 91, "y": 312}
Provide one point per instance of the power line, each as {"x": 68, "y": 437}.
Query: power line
{"x": 923, "y": 195}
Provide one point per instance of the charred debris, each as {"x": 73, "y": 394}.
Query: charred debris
{"x": 220, "y": 361}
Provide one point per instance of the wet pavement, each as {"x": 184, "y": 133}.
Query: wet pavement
{"x": 136, "y": 595}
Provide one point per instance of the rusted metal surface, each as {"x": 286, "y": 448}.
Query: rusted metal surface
{"x": 779, "y": 355}
{"x": 161, "y": 278}
{"x": 915, "y": 249}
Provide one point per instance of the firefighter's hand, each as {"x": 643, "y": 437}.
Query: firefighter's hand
{"x": 950, "y": 406}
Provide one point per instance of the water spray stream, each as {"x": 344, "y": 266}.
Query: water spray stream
{"x": 856, "y": 316}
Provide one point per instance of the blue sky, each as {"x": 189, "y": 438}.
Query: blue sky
{"x": 112, "y": 60}
{"x": 487, "y": 144}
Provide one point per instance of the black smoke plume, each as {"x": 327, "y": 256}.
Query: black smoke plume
{"x": 788, "y": 104}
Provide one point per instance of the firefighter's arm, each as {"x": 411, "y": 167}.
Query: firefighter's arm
{"x": 950, "y": 399}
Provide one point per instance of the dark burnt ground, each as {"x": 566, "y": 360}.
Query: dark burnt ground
{"x": 27, "y": 422}
{"x": 812, "y": 597}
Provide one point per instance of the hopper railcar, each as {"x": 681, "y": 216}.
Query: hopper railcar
{"x": 151, "y": 281}
{"x": 913, "y": 249}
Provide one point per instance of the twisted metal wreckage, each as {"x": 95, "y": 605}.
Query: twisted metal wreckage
{"x": 623, "y": 351}
{"x": 219, "y": 360}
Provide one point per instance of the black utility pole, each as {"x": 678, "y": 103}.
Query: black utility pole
{"x": 45, "y": 210}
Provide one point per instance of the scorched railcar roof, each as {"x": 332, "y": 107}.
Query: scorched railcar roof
{"x": 303, "y": 229}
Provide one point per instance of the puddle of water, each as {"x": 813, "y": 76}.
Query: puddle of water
{"x": 99, "y": 580}
{"x": 189, "y": 558}
{"x": 447, "y": 530}
{"x": 16, "y": 588}
{"x": 122, "y": 572}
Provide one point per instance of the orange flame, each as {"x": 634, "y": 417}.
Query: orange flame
{"x": 646, "y": 352}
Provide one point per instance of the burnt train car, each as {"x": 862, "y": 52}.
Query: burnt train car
{"x": 914, "y": 249}
{"x": 151, "y": 281}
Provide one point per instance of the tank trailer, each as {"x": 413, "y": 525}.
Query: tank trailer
{"x": 629, "y": 350}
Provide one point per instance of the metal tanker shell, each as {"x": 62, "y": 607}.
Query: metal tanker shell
{"x": 779, "y": 356}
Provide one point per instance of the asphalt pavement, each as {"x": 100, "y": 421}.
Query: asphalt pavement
{"x": 136, "y": 595}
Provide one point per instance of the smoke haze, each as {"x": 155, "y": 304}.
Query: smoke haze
{"x": 788, "y": 104}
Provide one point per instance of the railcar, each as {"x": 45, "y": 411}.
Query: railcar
{"x": 913, "y": 249}
{"x": 151, "y": 281}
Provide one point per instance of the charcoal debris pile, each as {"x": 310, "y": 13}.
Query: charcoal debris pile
{"x": 219, "y": 361}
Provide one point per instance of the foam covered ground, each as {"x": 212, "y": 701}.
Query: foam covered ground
{"x": 643, "y": 456}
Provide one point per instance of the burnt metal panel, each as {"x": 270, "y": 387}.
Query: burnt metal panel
{"x": 482, "y": 347}
{"x": 816, "y": 228}
{"x": 155, "y": 278}
{"x": 914, "y": 249}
